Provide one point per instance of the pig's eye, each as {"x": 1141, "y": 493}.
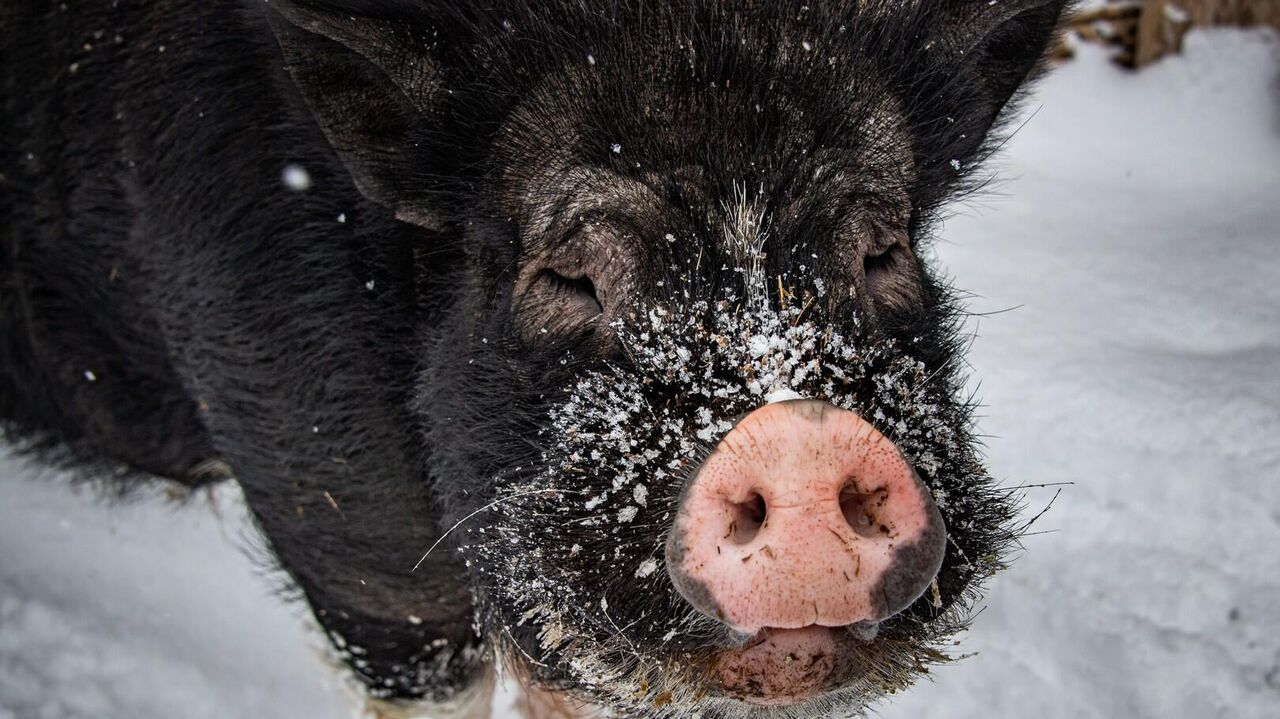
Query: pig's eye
{"x": 575, "y": 294}
{"x": 883, "y": 254}
{"x": 555, "y": 303}
{"x": 879, "y": 261}
{"x": 890, "y": 272}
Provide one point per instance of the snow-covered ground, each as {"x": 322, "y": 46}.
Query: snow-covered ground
{"x": 1140, "y": 245}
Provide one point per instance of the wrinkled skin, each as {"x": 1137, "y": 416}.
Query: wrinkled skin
{"x": 550, "y": 254}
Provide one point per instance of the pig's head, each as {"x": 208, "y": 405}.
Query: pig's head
{"x": 694, "y": 407}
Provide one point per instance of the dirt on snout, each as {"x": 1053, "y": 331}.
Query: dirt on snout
{"x": 784, "y": 666}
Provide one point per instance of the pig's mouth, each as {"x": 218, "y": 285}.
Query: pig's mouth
{"x": 781, "y": 666}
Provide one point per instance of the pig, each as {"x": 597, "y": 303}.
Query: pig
{"x": 597, "y": 339}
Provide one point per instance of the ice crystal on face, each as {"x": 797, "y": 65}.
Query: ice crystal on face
{"x": 647, "y": 567}
{"x": 782, "y": 395}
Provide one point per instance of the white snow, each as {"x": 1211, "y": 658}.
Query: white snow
{"x": 647, "y": 567}
{"x": 782, "y": 395}
{"x": 1138, "y": 240}
{"x": 145, "y": 609}
{"x": 296, "y": 178}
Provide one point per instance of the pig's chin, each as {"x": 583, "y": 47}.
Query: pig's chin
{"x": 781, "y": 667}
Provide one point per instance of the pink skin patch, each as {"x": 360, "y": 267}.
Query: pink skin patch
{"x": 784, "y": 666}
{"x": 804, "y": 515}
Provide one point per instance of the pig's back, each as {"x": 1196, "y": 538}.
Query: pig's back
{"x": 101, "y": 107}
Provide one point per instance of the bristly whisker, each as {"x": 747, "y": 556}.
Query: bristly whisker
{"x": 485, "y": 508}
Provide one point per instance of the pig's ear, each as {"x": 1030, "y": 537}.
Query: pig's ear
{"x": 374, "y": 89}
{"x": 997, "y": 44}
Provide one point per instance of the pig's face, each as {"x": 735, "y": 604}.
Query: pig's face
{"x": 650, "y": 293}
{"x": 695, "y": 410}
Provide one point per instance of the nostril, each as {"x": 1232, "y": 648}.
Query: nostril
{"x": 864, "y": 511}
{"x": 747, "y": 519}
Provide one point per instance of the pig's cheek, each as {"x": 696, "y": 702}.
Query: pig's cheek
{"x": 534, "y": 703}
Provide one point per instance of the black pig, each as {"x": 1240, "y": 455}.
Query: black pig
{"x": 595, "y": 337}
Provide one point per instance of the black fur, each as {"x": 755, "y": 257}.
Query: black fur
{"x": 368, "y": 357}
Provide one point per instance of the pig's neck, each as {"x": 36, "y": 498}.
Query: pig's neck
{"x": 534, "y": 703}
{"x": 476, "y": 702}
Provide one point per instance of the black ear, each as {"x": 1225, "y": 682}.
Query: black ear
{"x": 968, "y": 60}
{"x": 996, "y": 44}
{"x": 374, "y": 88}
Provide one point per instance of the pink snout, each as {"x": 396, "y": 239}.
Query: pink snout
{"x": 804, "y": 515}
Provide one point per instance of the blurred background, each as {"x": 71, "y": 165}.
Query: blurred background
{"x": 1125, "y": 280}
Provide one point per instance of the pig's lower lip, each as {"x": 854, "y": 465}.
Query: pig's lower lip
{"x": 780, "y": 667}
